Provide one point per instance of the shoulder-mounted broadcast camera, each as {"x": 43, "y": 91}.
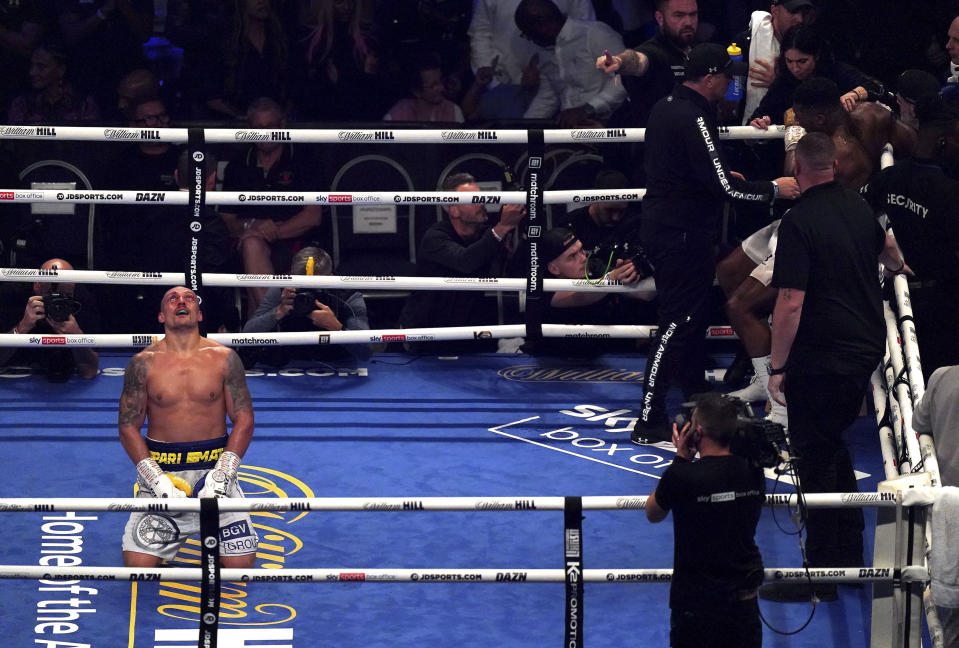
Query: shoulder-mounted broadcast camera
{"x": 761, "y": 442}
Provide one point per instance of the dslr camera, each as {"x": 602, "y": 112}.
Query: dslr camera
{"x": 602, "y": 258}
{"x": 304, "y": 302}
{"x": 761, "y": 442}
{"x": 60, "y": 306}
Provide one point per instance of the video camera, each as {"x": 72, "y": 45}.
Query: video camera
{"x": 761, "y": 442}
{"x": 60, "y": 306}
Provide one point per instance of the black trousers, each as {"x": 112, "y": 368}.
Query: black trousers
{"x": 734, "y": 625}
{"x": 935, "y": 310}
{"x": 821, "y": 408}
{"x": 685, "y": 267}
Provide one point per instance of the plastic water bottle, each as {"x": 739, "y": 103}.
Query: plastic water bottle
{"x": 735, "y": 90}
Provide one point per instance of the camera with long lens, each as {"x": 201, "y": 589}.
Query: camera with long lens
{"x": 761, "y": 442}
{"x": 60, "y": 306}
{"x": 602, "y": 258}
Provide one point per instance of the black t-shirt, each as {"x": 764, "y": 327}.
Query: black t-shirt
{"x": 294, "y": 171}
{"x": 828, "y": 246}
{"x": 716, "y": 502}
{"x": 920, "y": 201}
{"x": 666, "y": 70}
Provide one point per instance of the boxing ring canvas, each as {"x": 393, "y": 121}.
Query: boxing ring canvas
{"x": 484, "y": 425}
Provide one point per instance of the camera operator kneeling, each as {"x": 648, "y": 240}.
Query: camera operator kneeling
{"x": 303, "y": 309}
{"x": 716, "y": 502}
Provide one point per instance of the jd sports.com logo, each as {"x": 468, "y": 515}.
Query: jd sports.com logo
{"x": 198, "y": 156}
{"x": 195, "y": 226}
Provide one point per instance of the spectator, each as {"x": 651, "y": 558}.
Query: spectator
{"x": 571, "y": 89}
{"x": 601, "y": 225}
{"x": 761, "y": 45}
{"x": 828, "y": 337}
{"x": 147, "y": 166}
{"x": 22, "y": 26}
{"x": 253, "y": 62}
{"x": 463, "y": 245}
{"x": 499, "y": 52}
{"x": 53, "y": 98}
{"x": 716, "y": 502}
{"x": 136, "y": 86}
{"x": 936, "y": 415}
{"x": 427, "y": 102}
{"x": 337, "y": 62}
{"x": 803, "y": 55}
{"x": 104, "y": 40}
{"x": 298, "y": 309}
{"x": 51, "y": 308}
{"x": 267, "y": 235}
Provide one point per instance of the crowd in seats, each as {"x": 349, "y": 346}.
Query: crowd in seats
{"x": 280, "y": 63}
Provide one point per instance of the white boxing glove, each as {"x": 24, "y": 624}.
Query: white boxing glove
{"x": 220, "y": 479}
{"x": 158, "y": 481}
{"x": 794, "y": 133}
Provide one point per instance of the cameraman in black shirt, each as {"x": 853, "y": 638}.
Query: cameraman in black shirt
{"x": 716, "y": 502}
{"x": 52, "y": 309}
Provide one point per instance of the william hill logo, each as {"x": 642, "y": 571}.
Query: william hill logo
{"x": 533, "y": 373}
{"x": 144, "y": 340}
{"x": 281, "y": 136}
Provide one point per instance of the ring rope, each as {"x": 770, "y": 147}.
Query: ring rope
{"x": 363, "y": 336}
{"x": 918, "y": 497}
{"x": 356, "y": 136}
{"x": 445, "y": 575}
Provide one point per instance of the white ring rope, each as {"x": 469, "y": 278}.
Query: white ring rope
{"x": 336, "y": 199}
{"x": 442, "y": 575}
{"x": 354, "y": 136}
{"x": 919, "y": 497}
{"x": 363, "y": 336}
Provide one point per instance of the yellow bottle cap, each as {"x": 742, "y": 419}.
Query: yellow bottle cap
{"x": 309, "y": 266}
{"x": 734, "y": 50}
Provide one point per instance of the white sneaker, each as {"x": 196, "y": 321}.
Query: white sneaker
{"x": 754, "y": 391}
{"x": 778, "y": 414}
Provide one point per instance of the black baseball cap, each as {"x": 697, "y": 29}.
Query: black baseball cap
{"x": 712, "y": 58}
{"x": 554, "y": 243}
{"x": 913, "y": 85}
{"x": 792, "y": 6}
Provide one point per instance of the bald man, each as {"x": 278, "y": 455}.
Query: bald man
{"x": 51, "y": 308}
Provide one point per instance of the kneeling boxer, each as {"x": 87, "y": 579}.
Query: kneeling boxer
{"x": 185, "y": 386}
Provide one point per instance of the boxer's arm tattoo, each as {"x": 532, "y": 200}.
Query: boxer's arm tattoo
{"x": 236, "y": 384}
{"x": 134, "y": 396}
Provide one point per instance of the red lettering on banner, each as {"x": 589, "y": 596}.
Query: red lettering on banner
{"x": 394, "y": 338}
{"x": 718, "y": 331}
{"x": 6, "y": 195}
{"x": 353, "y": 576}
{"x": 341, "y": 198}
{"x": 53, "y": 340}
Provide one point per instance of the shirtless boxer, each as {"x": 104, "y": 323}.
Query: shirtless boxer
{"x": 745, "y": 274}
{"x": 184, "y": 386}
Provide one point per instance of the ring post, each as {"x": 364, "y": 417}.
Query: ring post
{"x": 573, "y": 548}
{"x": 194, "y": 220}
{"x": 210, "y": 564}
{"x": 535, "y": 229}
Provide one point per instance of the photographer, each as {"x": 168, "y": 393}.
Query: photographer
{"x": 567, "y": 260}
{"x": 51, "y": 308}
{"x": 716, "y": 503}
{"x": 301, "y": 309}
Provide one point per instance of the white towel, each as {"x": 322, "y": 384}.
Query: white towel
{"x": 762, "y": 45}
{"x": 943, "y": 557}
